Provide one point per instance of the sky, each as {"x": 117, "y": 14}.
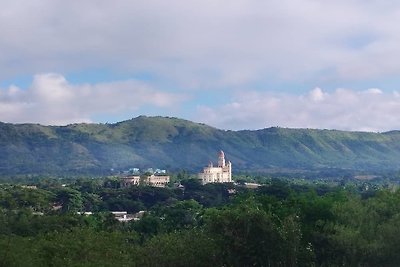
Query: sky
{"x": 232, "y": 64}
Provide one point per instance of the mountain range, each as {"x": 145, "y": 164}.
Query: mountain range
{"x": 172, "y": 144}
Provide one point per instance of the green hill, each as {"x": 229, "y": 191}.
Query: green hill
{"x": 173, "y": 143}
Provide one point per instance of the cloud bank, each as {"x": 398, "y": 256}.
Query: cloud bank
{"x": 368, "y": 110}
{"x": 256, "y": 56}
{"x": 52, "y": 100}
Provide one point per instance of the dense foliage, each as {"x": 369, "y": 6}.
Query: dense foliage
{"x": 278, "y": 224}
{"x": 174, "y": 143}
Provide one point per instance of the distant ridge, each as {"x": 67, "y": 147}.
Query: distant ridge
{"x": 173, "y": 143}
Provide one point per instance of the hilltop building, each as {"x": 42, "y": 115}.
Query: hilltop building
{"x": 220, "y": 174}
{"x": 157, "y": 179}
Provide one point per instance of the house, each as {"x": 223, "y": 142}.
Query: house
{"x": 130, "y": 180}
{"x": 157, "y": 180}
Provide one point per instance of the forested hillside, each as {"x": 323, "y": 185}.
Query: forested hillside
{"x": 172, "y": 143}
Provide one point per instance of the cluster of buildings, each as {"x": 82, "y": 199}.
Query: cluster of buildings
{"x": 221, "y": 173}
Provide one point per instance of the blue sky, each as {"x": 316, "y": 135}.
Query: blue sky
{"x": 244, "y": 64}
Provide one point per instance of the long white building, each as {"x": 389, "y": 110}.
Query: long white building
{"x": 220, "y": 174}
{"x": 151, "y": 180}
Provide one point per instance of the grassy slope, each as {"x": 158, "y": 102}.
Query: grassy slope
{"x": 176, "y": 143}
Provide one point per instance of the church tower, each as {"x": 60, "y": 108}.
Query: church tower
{"x": 221, "y": 159}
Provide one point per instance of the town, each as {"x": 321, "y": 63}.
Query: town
{"x": 222, "y": 173}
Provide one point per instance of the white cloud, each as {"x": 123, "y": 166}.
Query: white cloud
{"x": 376, "y": 91}
{"x": 369, "y": 110}
{"x": 317, "y": 95}
{"x": 204, "y": 43}
{"x": 207, "y": 44}
{"x": 51, "y": 99}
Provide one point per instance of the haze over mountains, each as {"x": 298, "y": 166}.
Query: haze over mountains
{"x": 172, "y": 143}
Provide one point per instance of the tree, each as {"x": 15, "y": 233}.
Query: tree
{"x": 70, "y": 199}
{"x": 248, "y": 236}
{"x": 180, "y": 215}
{"x": 183, "y": 248}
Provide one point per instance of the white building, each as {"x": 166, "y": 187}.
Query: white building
{"x": 157, "y": 180}
{"x": 130, "y": 180}
{"x": 151, "y": 180}
{"x": 220, "y": 174}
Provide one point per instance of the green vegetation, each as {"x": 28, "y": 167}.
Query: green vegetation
{"x": 166, "y": 143}
{"x": 279, "y": 224}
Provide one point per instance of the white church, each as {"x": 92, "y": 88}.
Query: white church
{"x": 220, "y": 174}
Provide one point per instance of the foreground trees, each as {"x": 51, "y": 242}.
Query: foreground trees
{"x": 275, "y": 225}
